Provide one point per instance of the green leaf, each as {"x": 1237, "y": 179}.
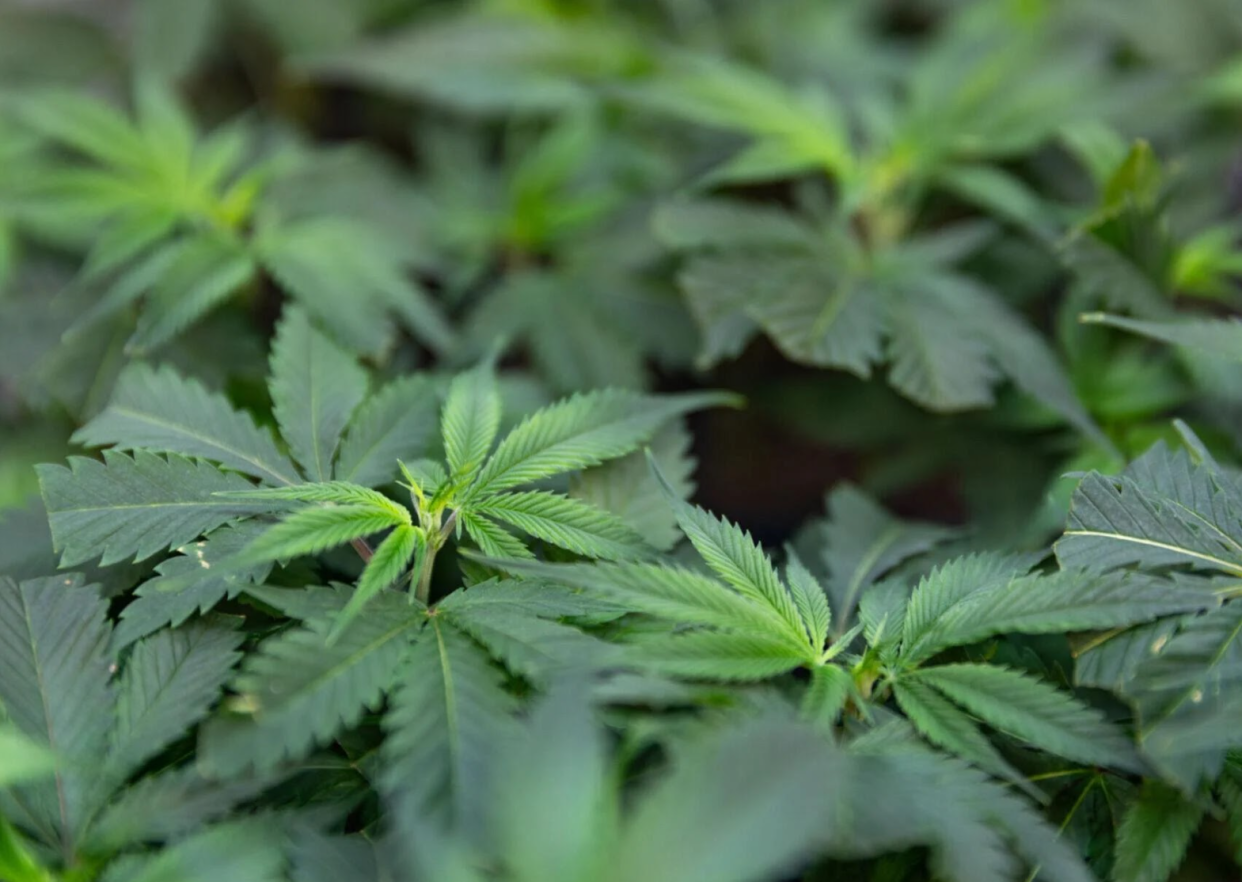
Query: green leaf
{"x": 312, "y": 530}
{"x": 529, "y": 646}
{"x": 1154, "y": 833}
{"x": 169, "y": 804}
{"x": 385, "y": 567}
{"x": 159, "y": 410}
{"x": 810, "y": 599}
{"x": 300, "y": 692}
{"x": 448, "y": 715}
{"x": 332, "y": 492}
{"x": 1071, "y": 600}
{"x": 129, "y": 508}
{"x": 718, "y": 655}
{"x": 1033, "y": 711}
{"x": 55, "y": 688}
{"x": 493, "y": 539}
{"x": 1185, "y": 692}
{"x": 170, "y": 681}
{"x": 397, "y": 423}
{"x": 315, "y": 388}
{"x": 627, "y": 488}
{"x": 206, "y": 271}
{"x": 581, "y": 431}
{"x": 1221, "y": 337}
{"x": 241, "y": 851}
{"x": 566, "y": 522}
{"x": 22, "y": 759}
{"x": 862, "y": 541}
{"x": 470, "y": 420}
{"x": 941, "y": 723}
{"x": 736, "y": 558}
{"x": 1164, "y": 510}
{"x": 824, "y": 700}
{"x": 207, "y": 563}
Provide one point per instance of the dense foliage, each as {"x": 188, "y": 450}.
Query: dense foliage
{"x": 360, "y": 359}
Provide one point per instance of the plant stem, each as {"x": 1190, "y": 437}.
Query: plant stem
{"x": 363, "y": 549}
{"x": 422, "y": 591}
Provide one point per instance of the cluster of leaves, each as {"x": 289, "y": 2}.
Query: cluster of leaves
{"x": 371, "y": 335}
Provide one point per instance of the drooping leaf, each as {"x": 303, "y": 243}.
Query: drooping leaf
{"x": 159, "y": 410}
{"x": 315, "y": 388}
{"x": 129, "y": 508}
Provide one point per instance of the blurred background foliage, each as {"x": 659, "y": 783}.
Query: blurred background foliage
{"x": 879, "y": 221}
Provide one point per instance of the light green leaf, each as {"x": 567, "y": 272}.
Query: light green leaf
{"x": 159, "y": 410}
{"x": 718, "y": 655}
{"x": 22, "y": 759}
{"x": 810, "y": 599}
{"x": 332, "y": 492}
{"x": 493, "y": 539}
{"x": 583, "y": 431}
{"x": 566, "y": 522}
{"x": 130, "y": 508}
{"x": 824, "y": 700}
{"x": 1033, "y": 711}
{"x": 315, "y": 388}
{"x": 386, "y": 566}
{"x": 470, "y": 420}
{"x": 312, "y": 530}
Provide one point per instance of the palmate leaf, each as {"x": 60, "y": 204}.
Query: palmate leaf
{"x": 448, "y": 715}
{"x": 1164, "y": 510}
{"x": 947, "y": 727}
{"x": 386, "y": 566}
{"x": 54, "y": 685}
{"x": 300, "y": 692}
{"x": 1185, "y": 692}
{"x": 315, "y": 388}
{"x": 129, "y": 508}
{"x": 565, "y": 522}
{"x": 1154, "y": 834}
{"x": 159, "y": 410}
{"x": 1033, "y": 711}
{"x": 470, "y": 420}
{"x": 862, "y": 541}
{"x": 1071, "y": 600}
{"x": 170, "y": 681}
{"x": 581, "y": 431}
{"x": 397, "y": 423}
{"x": 733, "y": 555}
